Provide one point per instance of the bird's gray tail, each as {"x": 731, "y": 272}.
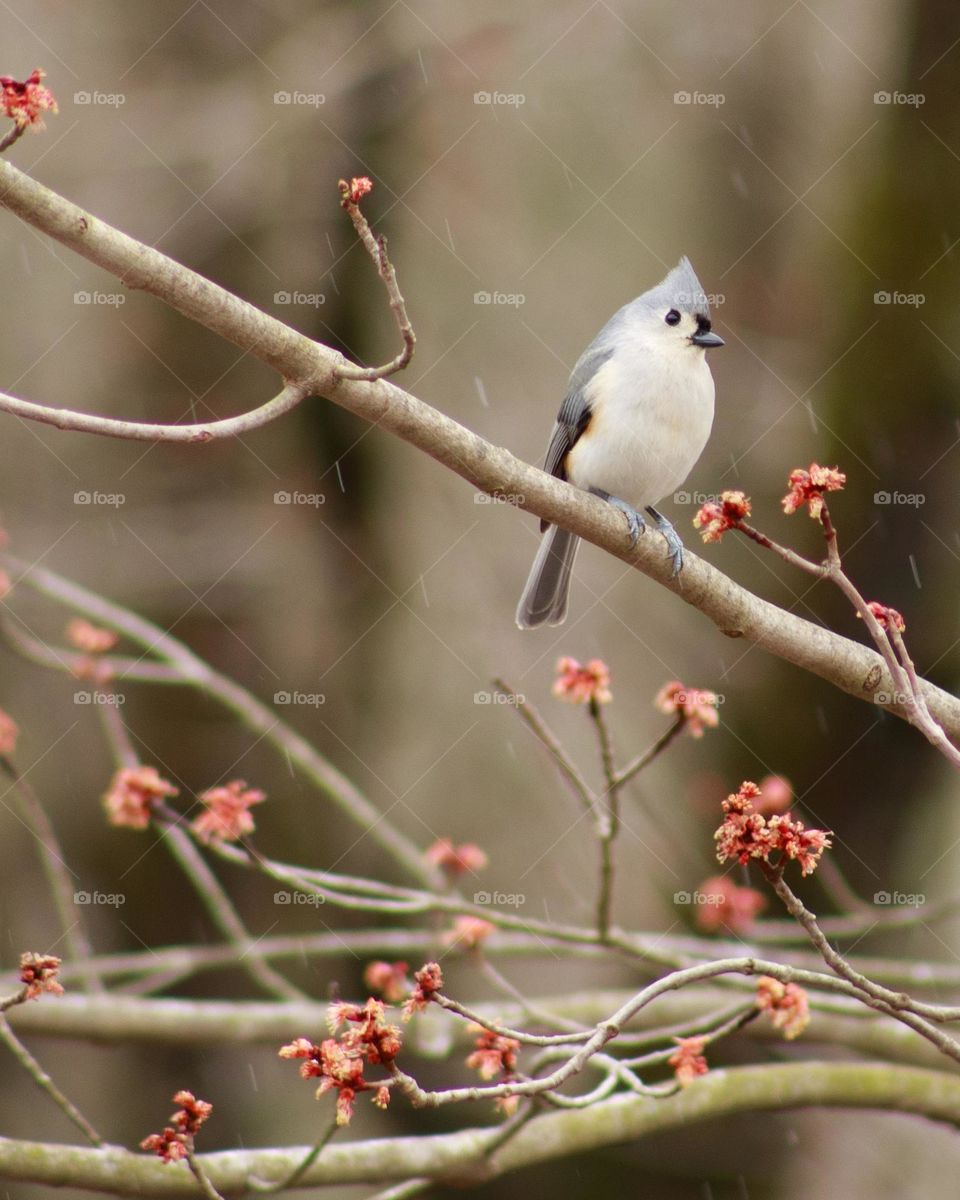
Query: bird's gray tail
{"x": 544, "y": 599}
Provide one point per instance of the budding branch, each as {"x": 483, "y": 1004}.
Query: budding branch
{"x": 309, "y": 368}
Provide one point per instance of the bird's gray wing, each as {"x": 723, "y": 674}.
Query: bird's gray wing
{"x": 574, "y": 415}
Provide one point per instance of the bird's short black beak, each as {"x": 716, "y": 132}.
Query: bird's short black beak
{"x": 707, "y": 339}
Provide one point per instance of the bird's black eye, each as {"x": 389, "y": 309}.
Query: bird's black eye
{"x": 672, "y": 317}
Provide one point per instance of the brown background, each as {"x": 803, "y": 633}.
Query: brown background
{"x": 798, "y": 197}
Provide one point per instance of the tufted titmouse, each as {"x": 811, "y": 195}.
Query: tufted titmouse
{"x": 635, "y": 419}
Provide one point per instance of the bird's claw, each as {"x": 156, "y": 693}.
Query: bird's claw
{"x": 672, "y": 538}
{"x": 635, "y": 522}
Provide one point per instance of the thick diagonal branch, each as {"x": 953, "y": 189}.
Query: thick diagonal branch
{"x": 848, "y": 665}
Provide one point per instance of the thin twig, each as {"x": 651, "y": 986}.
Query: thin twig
{"x": 15, "y": 133}
{"x": 145, "y": 431}
{"x": 43, "y": 1080}
{"x": 58, "y": 876}
{"x": 302, "y": 1167}
{"x": 532, "y": 718}
{"x": 194, "y": 672}
{"x": 634, "y": 767}
{"x": 377, "y": 249}
{"x": 608, "y": 827}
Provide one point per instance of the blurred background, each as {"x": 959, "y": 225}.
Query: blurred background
{"x": 535, "y": 167}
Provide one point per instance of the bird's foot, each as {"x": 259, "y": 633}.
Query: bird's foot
{"x": 671, "y": 537}
{"x": 635, "y": 522}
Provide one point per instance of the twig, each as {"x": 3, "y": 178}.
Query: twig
{"x": 202, "y": 1177}
{"x": 144, "y": 431}
{"x": 532, "y": 1010}
{"x": 301, "y": 1168}
{"x": 194, "y": 672}
{"x": 736, "y": 612}
{"x": 908, "y": 697}
{"x": 636, "y": 765}
{"x": 43, "y": 1080}
{"x": 896, "y": 1004}
{"x": 608, "y": 827}
{"x": 531, "y": 717}
{"x": 377, "y": 249}
{"x": 58, "y": 876}
{"x": 9, "y": 138}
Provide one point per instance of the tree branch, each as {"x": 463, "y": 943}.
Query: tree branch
{"x": 463, "y": 1156}
{"x": 848, "y": 665}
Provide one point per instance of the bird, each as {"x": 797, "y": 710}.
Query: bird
{"x": 636, "y": 416}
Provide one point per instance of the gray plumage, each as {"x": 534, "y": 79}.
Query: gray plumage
{"x": 632, "y": 389}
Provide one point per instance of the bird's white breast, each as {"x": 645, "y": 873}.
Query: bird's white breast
{"x": 652, "y": 415}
